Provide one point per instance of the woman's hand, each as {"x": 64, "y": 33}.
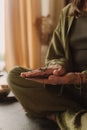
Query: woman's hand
{"x": 69, "y": 78}
{"x": 51, "y": 70}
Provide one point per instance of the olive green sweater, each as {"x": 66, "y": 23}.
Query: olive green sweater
{"x": 58, "y": 51}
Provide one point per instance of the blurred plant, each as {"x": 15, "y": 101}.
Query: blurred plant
{"x": 45, "y": 27}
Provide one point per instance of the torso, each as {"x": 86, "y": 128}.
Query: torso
{"x": 78, "y": 43}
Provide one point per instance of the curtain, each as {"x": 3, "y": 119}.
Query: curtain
{"x": 22, "y": 43}
{"x": 23, "y": 46}
{"x": 55, "y": 8}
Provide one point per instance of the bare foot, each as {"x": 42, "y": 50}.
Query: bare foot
{"x": 52, "y": 117}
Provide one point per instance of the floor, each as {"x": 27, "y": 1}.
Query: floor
{"x": 13, "y": 116}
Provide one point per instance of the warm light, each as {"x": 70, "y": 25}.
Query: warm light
{"x": 0, "y": 88}
{"x": 2, "y": 27}
{"x": 44, "y": 7}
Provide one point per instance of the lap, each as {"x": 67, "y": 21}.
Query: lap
{"x": 34, "y": 96}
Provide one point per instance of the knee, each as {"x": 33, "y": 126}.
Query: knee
{"x": 13, "y": 73}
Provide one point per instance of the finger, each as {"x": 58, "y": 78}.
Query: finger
{"x": 36, "y": 75}
{"x": 23, "y": 74}
{"x": 31, "y": 73}
{"x": 60, "y": 71}
{"x": 56, "y": 72}
{"x": 56, "y": 80}
{"x": 51, "y": 80}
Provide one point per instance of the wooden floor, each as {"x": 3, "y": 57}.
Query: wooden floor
{"x": 13, "y": 116}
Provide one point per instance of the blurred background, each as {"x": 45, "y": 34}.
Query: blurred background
{"x": 26, "y": 27}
